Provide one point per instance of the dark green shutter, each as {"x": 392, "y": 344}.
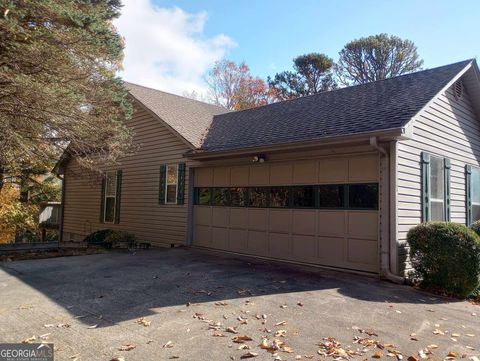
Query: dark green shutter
{"x": 162, "y": 184}
{"x": 181, "y": 184}
{"x": 446, "y": 174}
{"x": 425, "y": 164}
{"x": 118, "y": 194}
{"x": 468, "y": 194}
{"x": 102, "y": 201}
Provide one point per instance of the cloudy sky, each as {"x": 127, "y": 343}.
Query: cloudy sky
{"x": 171, "y": 44}
{"x": 166, "y": 48}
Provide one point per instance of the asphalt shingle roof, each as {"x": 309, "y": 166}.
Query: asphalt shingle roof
{"x": 381, "y": 105}
{"x": 189, "y": 118}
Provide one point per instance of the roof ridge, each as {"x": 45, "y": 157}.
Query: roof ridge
{"x": 176, "y": 95}
{"x": 357, "y": 85}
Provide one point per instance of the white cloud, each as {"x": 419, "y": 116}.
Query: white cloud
{"x": 165, "y": 48}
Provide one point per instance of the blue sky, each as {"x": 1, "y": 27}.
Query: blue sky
{"x": 269, "y": 34}
{"x": 273, "y": 32}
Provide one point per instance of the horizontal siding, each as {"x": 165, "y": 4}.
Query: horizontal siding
{"x": 140, "y": 212}
{"x": 447, "y": 128}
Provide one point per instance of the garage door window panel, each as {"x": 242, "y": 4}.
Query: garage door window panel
{"x": 203, "y": 196}
{"x": 237, "y": 197}
{"x": 363, "y": 196}
{"x": 221, "y": 197}
{"x": 258, "y": 197}
{"x": 303, "y": 197}
{"x": 279, "y": 197}
{"x": 332, "y": 196}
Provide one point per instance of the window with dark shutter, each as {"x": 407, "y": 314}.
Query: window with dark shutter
{"x": 468, "y": 195}
{"x": 181, "y": 183}
{"x": 435, "y": 188}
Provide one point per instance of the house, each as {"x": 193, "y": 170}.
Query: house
{"x": 334, "y": 179}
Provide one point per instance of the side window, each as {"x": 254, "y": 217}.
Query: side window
{"x": 110, "y": 201}
{"x": 472, "y": 194}
{"x": 435, "y": 188}
{"x": 303, "y": 197}
{"x": 110, "y": 195}
{"x": 203, "y": 196}
{"x": 171, "y": 184}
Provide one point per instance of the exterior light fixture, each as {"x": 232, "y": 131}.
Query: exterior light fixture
{"x": 258, "y": 158}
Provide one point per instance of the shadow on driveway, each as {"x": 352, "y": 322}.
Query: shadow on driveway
{"x": 121, "y": 286}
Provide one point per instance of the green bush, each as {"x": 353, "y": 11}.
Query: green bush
{"x": 445, "y": 257}
{"x": 110, "y": 238}
{"x": 475, "y": 226}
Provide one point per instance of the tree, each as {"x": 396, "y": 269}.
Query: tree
{"x": 376, "y": 57}
{"x": 312, "y": 74}
{"x": 232, "y": 86}
{"x": 58, "y": 88}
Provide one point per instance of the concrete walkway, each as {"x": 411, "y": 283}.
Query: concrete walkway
{"x": 180, "y": 303}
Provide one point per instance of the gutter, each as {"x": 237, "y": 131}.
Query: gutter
{"x": 388, "y": 240}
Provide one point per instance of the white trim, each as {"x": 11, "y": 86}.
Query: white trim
{"x": 171, "y": 184}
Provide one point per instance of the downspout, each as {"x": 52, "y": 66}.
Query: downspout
{"x": 387, "y": 239}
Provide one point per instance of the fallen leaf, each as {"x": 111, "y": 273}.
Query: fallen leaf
{"x": 287, "y": 349}
{"x": 174, "y": 357}
{"x": 413, "y": 358}
{"x": 377, "y": 355}
{"x": 281, "y": 333}
{"x": 231, "y": 329}
{"x": 92, "y": 327}
{"x": 221, "y": 303}
{"x": 241, "y": 339}
{"x": 249, "y": 355}
{"x": 169, "y": 344}
{"x": 218, "y": 334}
{"x": 127, "y": 347}
{"x": 117, "y": 359}
{"x": 432, "y": 346}
{"x": 300, "y": 304}
{"x": 452, "y": 354}
{"x": 30, "y": 339}
{"x": 143, "y": 321}
{"x": 47, "y": 325}
{"x": 281, "y": 323}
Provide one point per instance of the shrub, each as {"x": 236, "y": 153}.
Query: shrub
{"x": 446, "y": 257}
{"x": 110, "y": 238}
{"x": 475, "y": 226}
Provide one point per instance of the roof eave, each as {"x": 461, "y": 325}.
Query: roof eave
{"x": 383, "y": 135}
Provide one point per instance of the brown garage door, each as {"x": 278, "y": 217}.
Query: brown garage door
{"x": 322, "y": 211}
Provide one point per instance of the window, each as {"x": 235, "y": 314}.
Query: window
{"x": 203, "y": 196}
{"x": 363, "y": 196}
{"x": 171, "y": 185}
{"x": 220, "y": 197}
{"x": 304, "y": 197}
{"x": 279, "y": 197}
{"x": 258, "y": 197}
{"x": 472, "y": 187}
{"x": 435, "y": 188}
{"x": 237, "y": 197}
{"x": 110, "y": 197}
{"x": 475, "y": 184}
{"x": 332, "y": 196}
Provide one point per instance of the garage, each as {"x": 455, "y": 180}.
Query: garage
{"x": 321, "y": 211}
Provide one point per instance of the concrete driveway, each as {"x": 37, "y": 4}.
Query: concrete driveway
{"x": 90, "y": 307}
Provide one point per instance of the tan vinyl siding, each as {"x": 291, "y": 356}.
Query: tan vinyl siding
{"x": 447, "y": 128}
{"x": 140, "y": 212}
